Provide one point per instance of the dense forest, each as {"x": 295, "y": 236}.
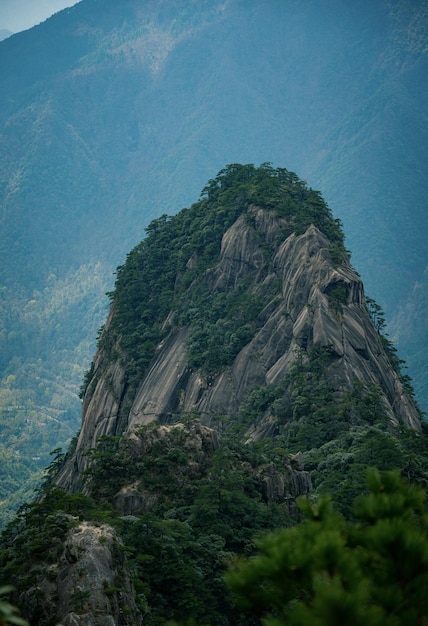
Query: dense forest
{"x": 369, "y": 565}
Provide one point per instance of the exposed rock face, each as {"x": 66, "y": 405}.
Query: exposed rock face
{"x": 320, "y": 304}
{"x": 90, "y": 585}
{"x": 92, "y": 565}
{"x": 196, "y": 441}
{"x": 288, "y": 484}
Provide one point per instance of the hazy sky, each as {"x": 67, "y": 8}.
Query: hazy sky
{"x": 16, "y": 15}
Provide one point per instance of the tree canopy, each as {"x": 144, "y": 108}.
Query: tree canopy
{"x": 326, "y": 571}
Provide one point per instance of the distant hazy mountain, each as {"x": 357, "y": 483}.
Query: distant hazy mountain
{"x": 20, "y": 15}
{"x": 4, "y": 33}
{"x": 114, "y": 113}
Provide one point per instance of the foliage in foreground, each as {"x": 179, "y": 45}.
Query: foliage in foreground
{"x": 325, "y": 571}
{"x": 9, "y": 614}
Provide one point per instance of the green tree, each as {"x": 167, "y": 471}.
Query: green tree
{"x": 325, "y": 571}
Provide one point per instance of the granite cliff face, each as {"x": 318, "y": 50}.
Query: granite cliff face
{"x": 311, "y": 301}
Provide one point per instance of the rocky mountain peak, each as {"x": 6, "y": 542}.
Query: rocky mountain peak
{"x": 241, "y": 367}
{"x": 294, "y": 294}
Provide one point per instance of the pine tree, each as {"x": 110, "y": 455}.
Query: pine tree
{"x": 325, "y": 571}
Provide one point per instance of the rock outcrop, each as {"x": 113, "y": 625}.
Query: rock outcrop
{"x": 90, "y": 585}
{"x": 283, "y": 484}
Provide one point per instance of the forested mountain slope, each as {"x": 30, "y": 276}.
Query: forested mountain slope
{"x": 114, "y": 113}
{"x": 241, "y": 367}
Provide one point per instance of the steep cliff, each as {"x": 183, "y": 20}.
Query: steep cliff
{"x": 295, "y": 294}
